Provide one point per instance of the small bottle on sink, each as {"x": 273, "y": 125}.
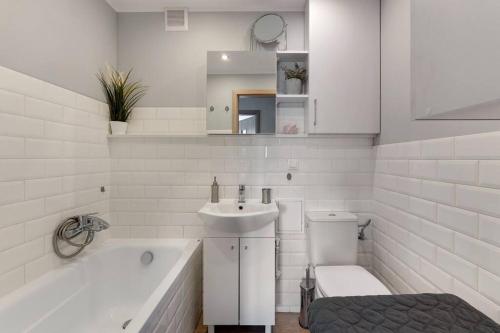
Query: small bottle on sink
{"x": 214, "y": 197}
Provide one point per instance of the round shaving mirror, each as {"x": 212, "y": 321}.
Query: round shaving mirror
{"x": 268, "y": 28}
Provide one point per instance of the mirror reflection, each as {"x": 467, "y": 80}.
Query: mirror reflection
{"x": 241, "y": 92}
{"x": 255, "y": 113}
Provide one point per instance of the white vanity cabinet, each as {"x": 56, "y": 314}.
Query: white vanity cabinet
{"x": 239, "y": 281}
{"x": 344, "y": 66}
{"x": 220, "y": 281}
{"x": 257, "y": 281}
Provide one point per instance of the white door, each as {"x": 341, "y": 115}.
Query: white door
{"x": 257, "y": 281}
{"x": 344, "y": 66}
{"x": 220, "y": 281}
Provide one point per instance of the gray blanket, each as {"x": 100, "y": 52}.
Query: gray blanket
{"x": 397, "y": 313}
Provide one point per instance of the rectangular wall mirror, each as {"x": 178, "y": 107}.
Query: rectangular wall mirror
{"x": 241, "y": 92}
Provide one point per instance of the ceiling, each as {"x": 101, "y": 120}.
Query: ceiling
{"x": 209, "y": 5}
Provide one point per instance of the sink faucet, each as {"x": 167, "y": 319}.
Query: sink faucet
{"x": 241, "y": 194}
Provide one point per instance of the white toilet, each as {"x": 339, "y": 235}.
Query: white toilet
{"x": 333, "y": 247}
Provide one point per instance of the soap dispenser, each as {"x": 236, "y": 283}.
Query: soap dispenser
{"x": 214, "y": 198}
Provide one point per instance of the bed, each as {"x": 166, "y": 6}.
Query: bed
{"x": 397, "y": 313}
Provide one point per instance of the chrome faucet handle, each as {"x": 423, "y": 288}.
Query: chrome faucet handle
{"x": 98, "y": 227}
{"x": 85, "y": 218}
{"x": 98, "y": 224}
{"x": 91, "y": 214}
{"x": 92, "y": 222}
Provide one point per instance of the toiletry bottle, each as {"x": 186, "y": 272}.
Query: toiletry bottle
{"x": 214, "y": 198}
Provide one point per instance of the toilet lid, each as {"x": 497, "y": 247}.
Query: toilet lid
{"x": 348, "y": 281}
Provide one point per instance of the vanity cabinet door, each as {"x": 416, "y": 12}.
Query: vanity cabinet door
{"x": 220, "y": 281}
{"x": 344, "y": 66}
{"x": 257, "y": 281}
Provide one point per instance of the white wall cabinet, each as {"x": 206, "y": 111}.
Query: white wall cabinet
{"x": 344, "y": 66}
{"x": 239, "y": 281}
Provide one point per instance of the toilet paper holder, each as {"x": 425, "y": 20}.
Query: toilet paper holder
{"x": 361, "y": 229}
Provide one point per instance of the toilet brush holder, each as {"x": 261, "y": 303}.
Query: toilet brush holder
{"x": 307, "y": 290}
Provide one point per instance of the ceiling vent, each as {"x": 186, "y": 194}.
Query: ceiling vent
{"x": 176, "y": 19}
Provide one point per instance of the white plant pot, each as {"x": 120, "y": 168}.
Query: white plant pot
{"x": 118, "y": 127}
{"x": 293, "y": 86}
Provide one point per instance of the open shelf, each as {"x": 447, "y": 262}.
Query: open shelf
{"x": 291, "y": 115}
{"x": 282, "y": 98}
{"x": 291, "y": 110}
{"x": 154, "y": 136}
{"x": 292, "y": 56}
{"x": 288, "y": 59}
{"x": 298, "y": 135}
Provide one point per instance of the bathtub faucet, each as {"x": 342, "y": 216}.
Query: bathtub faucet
{"x": 94, "y": 223}
{"x": 69, "y": 230}
{"x": 84, "y": 223}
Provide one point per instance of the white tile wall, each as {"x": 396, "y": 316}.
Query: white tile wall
{"x": 436, "y": 202}
{"x": 158, "y": 185}
{"x": 452, "y": 197}
{"x": 53, "y": 160}
{"x": 183, "y": 121}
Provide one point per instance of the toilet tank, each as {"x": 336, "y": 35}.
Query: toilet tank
{"x": 332, "y": 238}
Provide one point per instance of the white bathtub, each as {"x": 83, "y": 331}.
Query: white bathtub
{"x": 100, "y": 291}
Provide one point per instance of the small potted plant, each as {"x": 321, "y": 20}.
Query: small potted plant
{"x": 122, "y": 95}
{"x": 294, "y": 79}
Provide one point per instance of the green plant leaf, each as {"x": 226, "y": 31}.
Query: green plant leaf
{"x": 120, "y": 92}
{"x": 297, "y": 72}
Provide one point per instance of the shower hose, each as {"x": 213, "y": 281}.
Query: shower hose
{"x": 66, "y": 228}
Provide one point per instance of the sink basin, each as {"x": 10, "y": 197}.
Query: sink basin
{"x": 230, "y": 216}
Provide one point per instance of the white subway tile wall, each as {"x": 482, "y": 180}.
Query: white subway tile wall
{"x": 437, "y": 227}
{"x": 53, "y": 159}
{"x": 179, "y": 121}
{"x": 158, "y": 185}
{"x": 435, "y": 202}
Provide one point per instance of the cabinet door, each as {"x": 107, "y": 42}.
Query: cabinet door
{"x": 220, "y": 281}
{"x": 344, "y": 66}
{"x": 257, "y": 281}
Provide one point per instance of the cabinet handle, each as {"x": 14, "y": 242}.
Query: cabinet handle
{"x": 315, "y": 111}
{"x": 246, "y": 247}
{"x": 232, "y": 247}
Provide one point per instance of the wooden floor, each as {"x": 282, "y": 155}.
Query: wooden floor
{"x": 285, "y": 323}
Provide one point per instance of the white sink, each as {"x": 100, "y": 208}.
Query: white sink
{"x": 230, "y": 216}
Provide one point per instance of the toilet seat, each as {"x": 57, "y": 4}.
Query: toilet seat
{"x": 334, "y": 281}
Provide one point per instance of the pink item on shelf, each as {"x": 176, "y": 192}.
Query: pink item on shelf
{"x": 290, "y": 129}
